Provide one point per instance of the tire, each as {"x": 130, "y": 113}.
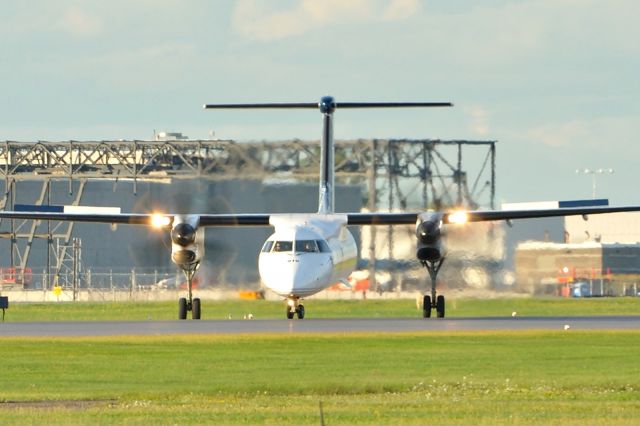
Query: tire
{"x": 440, "y": 306}
{"x": 289, "y": 313}
{"x": 195, "y": 309}
{"x": 182, "y": 308}
{"x": 300, "y": 311}
{"x": 426, "y": 307}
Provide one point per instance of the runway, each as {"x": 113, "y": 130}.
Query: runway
{"x": 380, "y": 325}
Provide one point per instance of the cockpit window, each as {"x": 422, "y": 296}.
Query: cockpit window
{"x": 301, "y": 246}
{"x": 324, "y": 247}
{"x": 266, "y": 248}
{"x": 283, "y": 246}
{"x": 306, "y": 246}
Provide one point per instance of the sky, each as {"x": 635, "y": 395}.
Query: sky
{"x": 555, "y": 82}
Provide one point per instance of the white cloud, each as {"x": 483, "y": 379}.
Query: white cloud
{"x": 590, "y": 135}
{"x": 559, "y": 135}
{"x": 402, "y": 9}
{"x": 130, "y": 68}
{"x": 80, "y": 22}
{"x": 255, "y": 20}
{"x": 326, "y": 11}
{"x": 480, "y": 121}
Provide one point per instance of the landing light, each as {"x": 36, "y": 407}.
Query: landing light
{"x": 458, "y": 217}
{"x": 160, "y": 220}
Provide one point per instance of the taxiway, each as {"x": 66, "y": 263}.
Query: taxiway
{"x": 378, "y": 325}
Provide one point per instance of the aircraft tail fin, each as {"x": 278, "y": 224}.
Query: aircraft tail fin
{"x": 327, "y": 105}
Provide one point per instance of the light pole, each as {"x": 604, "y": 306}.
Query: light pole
{"x": 593, "y": 173}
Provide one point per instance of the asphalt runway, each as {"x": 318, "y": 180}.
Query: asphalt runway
{"x": 382, "y": 325}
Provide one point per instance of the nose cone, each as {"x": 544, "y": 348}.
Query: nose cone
{"x": 298, "y": 275}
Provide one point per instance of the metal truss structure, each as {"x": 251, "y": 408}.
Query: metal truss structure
{"x": 397, "y": 174}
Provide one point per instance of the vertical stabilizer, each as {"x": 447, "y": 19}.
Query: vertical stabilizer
{"x": 326, "y": 202}
{"x": 328, "y": 105}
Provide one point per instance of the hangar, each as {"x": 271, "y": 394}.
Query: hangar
{"x": 213, "y": 176}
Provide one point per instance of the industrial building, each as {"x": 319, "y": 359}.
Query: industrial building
{"x": 213, "y": 176}
{"x": 173, "y": 173}
{"x": 599, "y": 256}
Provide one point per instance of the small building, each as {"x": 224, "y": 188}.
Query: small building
{"x": 578, "y": 269}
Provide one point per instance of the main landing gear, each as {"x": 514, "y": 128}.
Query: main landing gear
{"x": 190, "y": 303}
{"x": 294, "y": 307}
{"x": 432, "y": 301}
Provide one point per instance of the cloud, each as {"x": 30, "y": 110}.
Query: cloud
{"x": 79, "y": 22}
{"x": 563, "y": 134}
{"x": 402, "y": 9}
{"x": 324, "y": 12}
{"x": 480, "y": 121}
{"x": 130, "y": 69}
{"x": 254, "y": 20}
{"x": 589, "y": 134}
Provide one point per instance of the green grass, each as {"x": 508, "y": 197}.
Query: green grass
{"x": 317, "y": 308}
{"x": 416, "y": 378}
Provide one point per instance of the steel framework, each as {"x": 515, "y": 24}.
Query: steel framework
{"x": 397, "y": 174}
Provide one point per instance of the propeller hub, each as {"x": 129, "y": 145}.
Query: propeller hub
{"x": 183, "y": 234}
{"x": 428, "y": 232}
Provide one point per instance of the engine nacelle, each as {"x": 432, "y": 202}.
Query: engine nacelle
{"x": 183, "y": 257}
{"x": 429, "y": 232}
{"x": 187, "y": 242}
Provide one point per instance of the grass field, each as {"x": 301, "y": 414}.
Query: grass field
{"x": 318, "y": 308}
{"x": 419, "y": 378}
{"x": 523, "y": 378}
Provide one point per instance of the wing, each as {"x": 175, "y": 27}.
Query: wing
{"x": 481, "y": 216}
{"x": 452, "y": 216}
{"x": 129, "y": 218}
{"x": 456, "y": 216}
{"x": 141, "y": 218}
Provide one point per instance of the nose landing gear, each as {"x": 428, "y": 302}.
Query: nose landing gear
{"x": 294, "y": 308}
{"x": 189, "y": 304}
{"x": 433, "y": 301}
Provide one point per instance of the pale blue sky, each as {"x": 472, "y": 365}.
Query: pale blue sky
{"x": 554, "y": 81}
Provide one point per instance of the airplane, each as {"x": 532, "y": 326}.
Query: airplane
{"x": 309, "y": 252}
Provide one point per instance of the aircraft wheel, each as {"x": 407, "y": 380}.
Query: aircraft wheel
{"x": 195, "y": 310}
{"x": 182, "y": 308}
{"x": 440, "y": 306}
{"x": 300, "y": 311}
{"x": 426, "y": 307}
{"x": 289, "y": 313}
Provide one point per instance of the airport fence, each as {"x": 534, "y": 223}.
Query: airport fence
{"x": 135, "y": 285}
{"x": 158, "y": 284}
{"x": 133, "y": 280}
{"x": 126, "y": 284}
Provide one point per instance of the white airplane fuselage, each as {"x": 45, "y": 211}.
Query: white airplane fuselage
{"x": 306, "y": 254}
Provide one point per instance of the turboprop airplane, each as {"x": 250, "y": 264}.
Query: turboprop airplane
{"x": 309, "y": 252}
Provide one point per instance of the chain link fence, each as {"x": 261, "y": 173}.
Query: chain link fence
{"x": 94, "y": 285}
